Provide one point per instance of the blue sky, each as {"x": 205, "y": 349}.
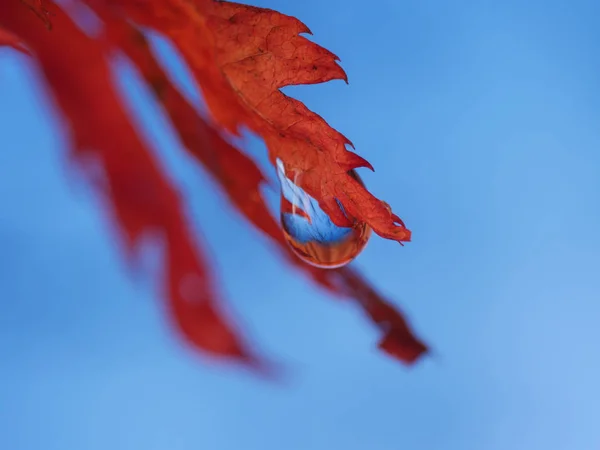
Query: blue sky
{"x": 481, "y": 120}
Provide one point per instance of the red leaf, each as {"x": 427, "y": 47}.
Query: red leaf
{"x": 240, "y": 56}
{"x": 259, "y": 52}
{"x": 142, "y": 198}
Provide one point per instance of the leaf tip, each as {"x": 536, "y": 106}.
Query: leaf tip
{"x": 405, "y": 348}
{"x": 355, "y": 161}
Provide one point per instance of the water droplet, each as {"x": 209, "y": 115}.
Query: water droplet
{"x": 312, "y": 235}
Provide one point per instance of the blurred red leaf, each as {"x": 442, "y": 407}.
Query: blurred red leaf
{"x": 240, "y": 56}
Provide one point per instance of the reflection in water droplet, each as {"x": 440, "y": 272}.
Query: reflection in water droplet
{"x": 311, "y": 234}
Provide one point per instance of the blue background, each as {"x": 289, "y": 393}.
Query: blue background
{"x": 482, "y": 122}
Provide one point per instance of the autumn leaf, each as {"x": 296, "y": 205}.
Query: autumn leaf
{"x": 240, "y": 57}
{"x": 141, "y": 196}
